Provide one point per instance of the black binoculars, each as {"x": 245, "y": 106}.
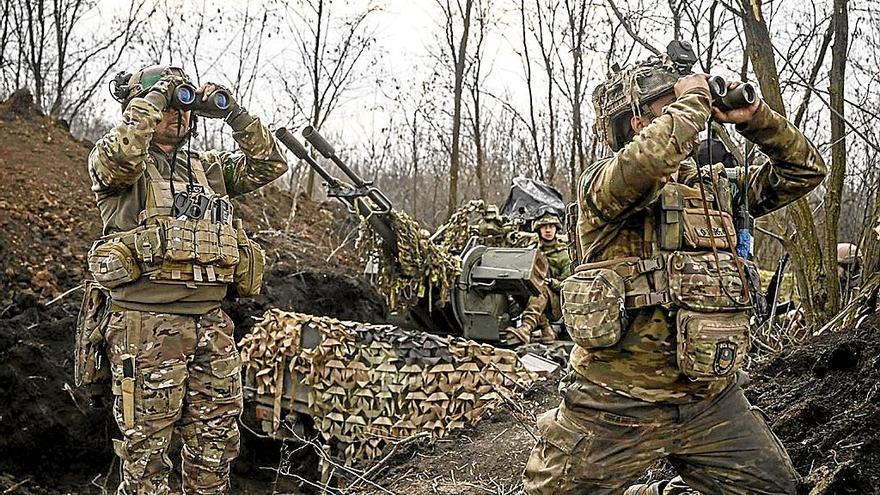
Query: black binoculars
{"x": 187, "y": 97}
{"x": 683, "y": 57}
{"x": 727, "y": 99}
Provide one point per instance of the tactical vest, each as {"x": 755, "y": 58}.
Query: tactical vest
{"x": 688, "y": 267}
{"x": 205, "y": 247}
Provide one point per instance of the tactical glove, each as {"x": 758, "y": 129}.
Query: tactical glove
{"x": 211, "y": 111}
{"x": 162, "y": 91}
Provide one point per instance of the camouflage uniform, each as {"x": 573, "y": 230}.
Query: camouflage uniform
{"x": 545, "y": 307}
{"x": 628, "y": 402}
{"x": 170, "y": 343}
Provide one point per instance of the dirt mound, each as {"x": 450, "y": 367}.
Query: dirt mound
{"x": 823, "y": 399}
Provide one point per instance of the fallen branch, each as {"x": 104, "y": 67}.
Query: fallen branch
{"x": 16, "y": 486}
{"x": 65, "y": 294}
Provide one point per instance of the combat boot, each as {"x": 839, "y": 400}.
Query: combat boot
{"x": 546, "y": 334}
{"x": 522, "y": 334}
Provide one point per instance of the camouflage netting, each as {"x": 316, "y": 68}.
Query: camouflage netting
{"x": 371, "y": 384}
{"x": 427, "y": 265}
{"x": 420, "y": 268}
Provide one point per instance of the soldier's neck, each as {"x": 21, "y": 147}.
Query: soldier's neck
{"x": 166, "y": 148}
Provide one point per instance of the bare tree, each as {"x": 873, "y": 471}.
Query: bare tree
{"x": 805, "y": 250}
{"x": 532, "y": 124}
{"x": 474, "y": 86}
{"x": 837, "y": 89}
{"x": 545, "y": 35}
{"x": 332, "y": 49}
{"x": 457, "y": 58}
{"x": 572, "y": 83}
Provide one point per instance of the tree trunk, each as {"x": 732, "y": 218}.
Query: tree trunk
{"x": 316, "y": 92}
{"x": 869, "y": 246}
{"x": 838, "y": 151}
{"x": 804, "y": 248}
{"x": 455, "y": 158}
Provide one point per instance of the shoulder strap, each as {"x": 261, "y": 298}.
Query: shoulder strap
{"x": 199, "y": 170}
{"x": 151, "y": 171}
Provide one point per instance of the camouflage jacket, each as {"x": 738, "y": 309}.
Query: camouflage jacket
{"x": 616, "y": 195}
{"x": 557, "y": 255}
{"x": 556, "y": 252}
{"x": 117, "y": 166}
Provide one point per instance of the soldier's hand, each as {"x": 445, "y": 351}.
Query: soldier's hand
{"x": 208, "y": 89}
{"x": 167, "y": 84}
{"x": 691, "y": 81}
{"x": 736, "y": 115}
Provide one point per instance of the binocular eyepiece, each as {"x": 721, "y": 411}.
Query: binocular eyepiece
{"x": 187, "y": 97}
{"x": 727, "y": 99}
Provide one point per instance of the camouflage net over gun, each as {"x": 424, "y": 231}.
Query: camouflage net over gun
{"x": 368, "y": 385}
{"x": 426, "y": 264}
{"x": 418, "y": 269}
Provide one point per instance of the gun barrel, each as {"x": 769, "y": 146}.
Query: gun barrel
{"x": 290, "y": 142}
{"x": 312, "y": 136}
{"x": 317, "y": 140}
{"x": 379, "y": 221}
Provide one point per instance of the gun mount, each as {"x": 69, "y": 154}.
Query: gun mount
{"x": 487, "y": 290}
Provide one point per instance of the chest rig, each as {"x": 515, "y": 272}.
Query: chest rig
{"x": 186, "y": 235}
{"x": 685, "y": 262}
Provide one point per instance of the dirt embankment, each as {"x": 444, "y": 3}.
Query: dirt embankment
{"x": 50, "y": 441}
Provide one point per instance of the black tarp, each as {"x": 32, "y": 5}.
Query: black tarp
{"x": 530, "y": 198}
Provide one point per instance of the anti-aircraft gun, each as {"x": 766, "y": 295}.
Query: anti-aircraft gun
{"x": 478, "y": 306}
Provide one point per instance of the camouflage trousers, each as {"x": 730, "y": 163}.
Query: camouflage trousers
{"x": 600, "y": 442}
{"x": 544, "y": 308}
{"x": 174, "y": 372}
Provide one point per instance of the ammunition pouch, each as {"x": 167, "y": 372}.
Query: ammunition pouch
{"x": 171, "y": 250}
{"x": 90, "y": 361}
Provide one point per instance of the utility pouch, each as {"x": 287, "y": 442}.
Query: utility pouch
{"x": 697, "y": 233}
{"x": 593, "y": 307}
{"x": 698, "y": 282}
{"x": 90, "y": 362}
{"x": 711, "y": 345}
{"x": 112, "y": 264}
{"x": 249, "y": 271}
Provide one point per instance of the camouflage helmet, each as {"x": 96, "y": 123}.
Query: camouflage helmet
{"x": 128, "y": 86}
{"x": 546, "y": 219}
{"x": 626, "y": 93}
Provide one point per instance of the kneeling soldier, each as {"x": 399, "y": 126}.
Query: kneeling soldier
{"x": 658, "y": 306}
